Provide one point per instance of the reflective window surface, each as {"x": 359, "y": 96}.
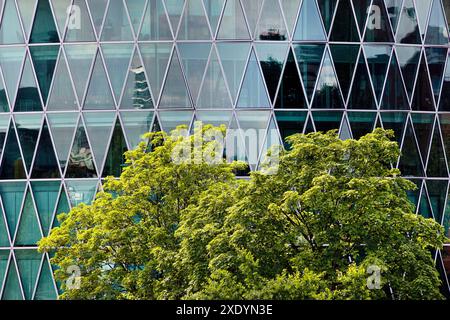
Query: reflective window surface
{"x": 82, "y": 80}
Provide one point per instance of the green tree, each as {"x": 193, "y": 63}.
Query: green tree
{"x": 332, "y": 212}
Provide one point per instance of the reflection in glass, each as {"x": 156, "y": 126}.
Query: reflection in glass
{"x": 81, "y": 161}
{"x": 309, "y": 25}
{"x": 271, "y": 24}
{"x": 194, "y": 25}
{"x": 116, "y": 26}
{"x": 155, "y": 25}
{"x": 233, "y": 24}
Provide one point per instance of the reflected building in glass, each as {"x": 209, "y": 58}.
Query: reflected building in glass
{"x": 82, "y": 80}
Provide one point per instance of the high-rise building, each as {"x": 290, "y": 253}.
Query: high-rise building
{"x": 81, "y": 80}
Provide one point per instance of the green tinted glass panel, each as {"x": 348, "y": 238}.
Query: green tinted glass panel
{"x": 327, "y": 9}
{"x": 62, "y": 207}
{"x": 136, "y": 9}
{"x": 344, "y": 28}
{"x": 361, "y": 123}
{"x": 44, "y": 27}
{"x": 26, "y": 10}
{"x": 11, "y": 290}
{"x": 215, "y": 118}
{"x": 425, "y": 205}
{"x": 11, "y": 59}
{"x": 326, "y": 121}
{"x": 194, "y": 25}
{"x": 45, "y": 195}
{"x": 395, "y": 121}
{"x": 4, "y": 257}
{"x": 28, "y": 262}
{"x": 44, "y": 59}
{"x": 62, "y": 95}
{"x": 117, "y": 59}
{"x": 81, "y": 191}
{"x": 98, "y": 96}
{"x": 45, "y": 289}
{"x": 116, "y": 26}
{"x": 4, "y": 239}
{"x": 290, "y": 122}
{"x": 253, "y": 12}
{"x": 135, "y": 124}
{"x": 171, "y": 119}
{"x": 10, "y": 29}
{"x": 98, "y": 11}
{"x": 12, "y": 194}
{"x": 60, "y": 10}
{"x": 174, "y": 10}
{"x": 28, "y": 231}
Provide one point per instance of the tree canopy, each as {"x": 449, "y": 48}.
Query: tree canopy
{"x": 333, "y": 221}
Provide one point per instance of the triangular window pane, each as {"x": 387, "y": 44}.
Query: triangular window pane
{"x": 232, "y": 25}
{"x": 136, "y": 94}
{"x": 362, "y": 10}
{"x": 345, "y": 58}
{"x": 233, "y": 57}
{"x": 44, "y": 27}
{"x": 28, "y": 232}
{"x": 174, "y": 10}
{"x": 28, "y": 93}
{"x": 309, "y": 25}
{"x": 408, "y": 29}
{"x": 12, "y": 164}
{"x": 175, "y": 93}
{"x": 99, "y": 126}
{"x": 437, "y": 191}
{"x": 290, "y": 94}
{"x": 10, "y": 29}
{"x": 115, "y": 161}
{"x": 28, "y": 262}
{"x": 194, "y": 25}
{"x": 155, "y": 25}
{"x": 378, "y": 60}
{"x": 327, "y": 10}
{"x": 437, "y": 28}
{"x": 253, "y": 92}
{"x": 378, "y": 26}
{"x": 361, "y": 123}
{"x": 79, "y": 27}
{"x": 12, "y": 194}
{"x": 408, "y": 58}
{"x": 117, "y": 58}
{"x": 81, "y": 162}
{"x": 327, "y": 93}
{"x": 437, "y": 166}
{"x": 271, "y": 24}
{"x": 444, "y": 104}
{"x": 116, "y": 26}
{"x": 155, "y": 57}
{"x": 4, "y": 124}
{"x": 62, "y": 126}
{"x": 4, "y": 240}
{"x": 45, "y": 164}
{"x": 215, "y": 118}
{"x": 423, "y": 126}
{"x": 4, "y": 104}
{"x": 309, "y": 125}
{"x": 361, "y": 95}
{"x": 272, "y": 57}
{"x": 309, "y": 58}
{"x": 172, "y": 119}
{"x": 444, "y": 120}
{"x": 45, "y": 289}
{"x": 26, "y": 10}
{"x": 45, "y": 195}
{"x": 425, "y": 205}
{"x": 79, "y": 58}
{"x": 28, "y": 127}
{"x": 395, "y": 121}
{"x": 99, "y": 96}
{"x": 136, "y": 9}
{"x": 253, "y": 12}
{"x": 214, "y": 10}
{"x": 4, "y": 259}
{"x": 345, "y": 132}
{"x": 44, "y": 60}
{"x": 61, "y": 14}
{"x": 62, "y": 94}
{"x": 98, "y": 10}
{"x": 194, "y": 57}
{"x": 394, "y": 96}
{"x": 422, "y": 9}
{"x": 214, "y": 93}
{"x": 344, "y": 28}
{"x": 436, "y": 62}
{"x": 62, "y": 207}
{"x": 410, "y": 164}
{"x": 423, "y": 96}
{"x": 81, "y": 191}
{"x": 394, "y": 8}
{"x": 136, "y": 124}
{"x": 11, "y": 59}
{"x": 12, "y": 290}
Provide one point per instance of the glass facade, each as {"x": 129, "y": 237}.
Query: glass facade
{"x": 82, "y": 80}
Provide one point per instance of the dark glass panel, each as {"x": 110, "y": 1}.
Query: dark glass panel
{"x": 423, "y": 96}
{"x": 290, "y": 122}
{"x": 394, "y": 8}
{"x": 437, "y": 32}
{"x": 378, "y": 60}
{"x": 327, "y": 93}
{"x": 437, "y": 166}
{"x": 12, "y": 164}
{"x": 362, "y": 9}
{"x": 437, "y": 190}
{"x": 423, "y": 126}
{"x": 361, "y": 123}
{"x": 436, "y": 62}
{"x": 425, "y": 205}
{"x": 309, "y": 58}
{"x": 444, "y": 120}
{"x": 410, "y": 163}
{"x": 408, "y": 58}
{"x": 290, "y": 94}
{"x": 81, "y": 163}
{"x": 28, "y": 127}
{"x": 28, "y": 93}
{"x": 327, "y": 10}
{"x": 444, "y": 104}
{"x": 378, "y": 26}
{"x": 361, "y": 95}
{"x": 326, "y": 121}
{"x": 44, "y": 27}
{"x": 45, "y": 163}
{"x": 408, "y": 29}
{"x": 344, "y": 57}
{"x": 115, "y": 160}
{"x": 344, "y": 28}
{"x": 44, "y": 60}
{"x": 394, "y": 96}
{"x": 395, "y": 121}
